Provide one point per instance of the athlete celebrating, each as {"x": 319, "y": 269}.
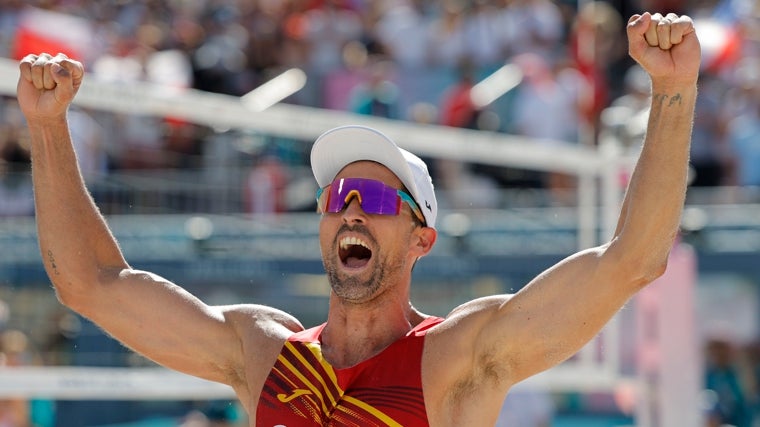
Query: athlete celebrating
{"x": 376, "y": 360}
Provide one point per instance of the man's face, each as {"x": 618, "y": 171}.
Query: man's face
{"x": 366, "y": 254}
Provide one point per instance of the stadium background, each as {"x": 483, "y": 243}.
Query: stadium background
{"x": 185, "y": 199}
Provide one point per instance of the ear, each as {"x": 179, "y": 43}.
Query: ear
{"x": 423, "y": 241}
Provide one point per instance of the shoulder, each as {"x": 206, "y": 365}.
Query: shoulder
{"x": 452, "y": 337}
{"x": 253, "y": 318}
{"x": 471, "y": 315}
{"x": 261, "y": 332}
{"x": 450, "y": 344}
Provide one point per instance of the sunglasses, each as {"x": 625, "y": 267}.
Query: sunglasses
{"x": 374, "y": 197}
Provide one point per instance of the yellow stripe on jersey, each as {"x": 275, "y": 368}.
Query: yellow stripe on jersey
{"x": 372, "y": 410}
{"x": 316, "y": 350}
{"x": 320, "y": 378}
{"x": 305, "y": 381}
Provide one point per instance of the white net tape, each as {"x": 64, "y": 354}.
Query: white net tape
{"x": 90, "y": 383}
{"x": 87, "y": 383}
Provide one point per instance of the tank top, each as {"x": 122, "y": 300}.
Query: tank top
{"x": 303, "y": 389}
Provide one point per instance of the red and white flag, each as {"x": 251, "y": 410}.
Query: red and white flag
{"x": 52, "y": 32}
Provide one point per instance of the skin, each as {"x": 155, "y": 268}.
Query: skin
{"x": 470, "y": 360}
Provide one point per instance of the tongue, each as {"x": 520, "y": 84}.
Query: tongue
{"x": 355, "y": 262}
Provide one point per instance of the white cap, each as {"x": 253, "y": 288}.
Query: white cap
{"x": 338, "y": 147}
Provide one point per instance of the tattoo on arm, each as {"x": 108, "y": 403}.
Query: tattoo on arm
{"x": 675, "y": 99}
{"x": 661, "y": 99}
{"x": 53, "y": 265}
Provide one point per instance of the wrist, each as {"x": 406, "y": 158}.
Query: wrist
{"x": 47, "y": 128}
{"x": 670, "y": 84}
{"x": 34, "y": 122}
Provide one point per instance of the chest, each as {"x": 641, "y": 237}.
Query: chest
{"x": 302, "y": 389}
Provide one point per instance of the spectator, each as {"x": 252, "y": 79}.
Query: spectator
{"x": 327, "y": 29}
{"x": 596, "y": 48}
{"x": 90, "y": 145}
{"x": 548, "y": 92}
{"x": 709, "y": 151}
{"x": 15, "y": 178}
{"x": 403, "y": 29}
{"x": 9, "y": 17}
{"x": 723, "y": 379}
{"x": 265, "y": 187}
{"x": 753, "y": 359}
{"x": 219, "y": 61}
{"x": 744, "y": 140}
{"x": 625, "y": 118}
{"x": 484, "y": 37}
{"x": 457, "y": 108}
{"x": 534, "y": 26}
{"x": 379, "y": 95}
{"x": 467, "y": 186}
{"x": 446, "y": 41}
{"x": 135, "y": 141}
{"x": 14, "y": 351}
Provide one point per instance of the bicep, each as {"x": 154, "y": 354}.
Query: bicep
{"x": 555, "y": 315}
{"x": 166, "y": 324}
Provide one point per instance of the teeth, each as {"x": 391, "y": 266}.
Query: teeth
{"x": 347, "y": 241}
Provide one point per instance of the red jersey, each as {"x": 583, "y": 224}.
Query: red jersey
{"x": 303, "y": 389}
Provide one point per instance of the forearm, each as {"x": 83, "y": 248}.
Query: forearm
{"x": 76, "y": 246}
{"x": 654, "y": 200}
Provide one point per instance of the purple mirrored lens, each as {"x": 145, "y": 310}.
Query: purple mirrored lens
{"x": 374, "y": 196}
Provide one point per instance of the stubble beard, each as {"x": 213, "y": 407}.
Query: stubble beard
{"x": 355, "y": 289}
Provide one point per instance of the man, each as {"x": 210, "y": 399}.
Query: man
{"x": 377, "y": 360}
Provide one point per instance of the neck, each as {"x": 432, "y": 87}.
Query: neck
{"x": 355, "y": 333}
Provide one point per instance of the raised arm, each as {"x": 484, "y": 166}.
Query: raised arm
{"x": 85, "y": 264}
{"x": 564, "y": 307}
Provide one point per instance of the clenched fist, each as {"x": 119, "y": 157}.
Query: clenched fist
{"x": 47, "y": 85}
{"x": 665, "y": 46}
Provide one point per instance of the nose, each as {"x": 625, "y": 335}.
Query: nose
{"x": 353, "y": 211}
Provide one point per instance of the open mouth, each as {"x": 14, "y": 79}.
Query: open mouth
{"x": 354, "y": 252}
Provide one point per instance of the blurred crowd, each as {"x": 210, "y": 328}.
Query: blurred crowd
{"x": 411, "y": 60}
